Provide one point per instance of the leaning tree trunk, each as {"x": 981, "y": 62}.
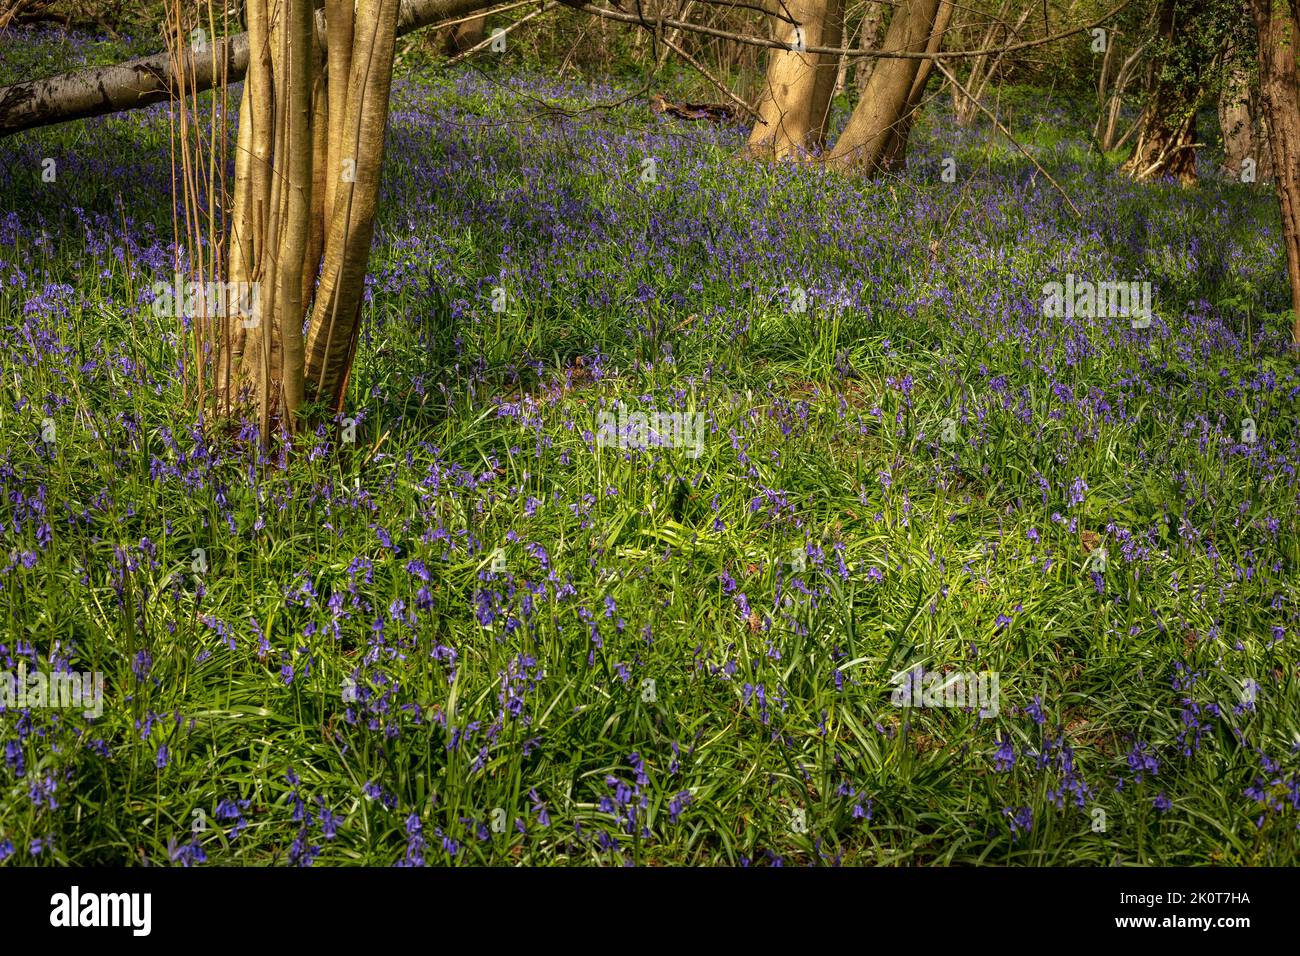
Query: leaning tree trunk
{"x": 827, "y": 74}
{"x": 895, "y": 155}
{"x": 1277, "y": 23}
{"x": 1166, "y": 143}
{"x": 795, "y": 102}
{"x": 866, "y": 139}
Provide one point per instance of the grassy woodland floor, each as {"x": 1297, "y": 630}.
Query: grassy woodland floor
{"x": 519, "y": 699}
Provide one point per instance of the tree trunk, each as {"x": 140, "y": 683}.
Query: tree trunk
{"x": 872, "y": 22}
{"x": 311, "y": 141}
{"x": 965, "y": 108}
{"x": 1110, "y": 96}
{"x": 895, "y": 156}
{"x": 462, "y": 37}
{"x": 827, "y": 74}
{"x": 297, "y": 82}
{"x": 1167, "y": 134}
{"x": 339, "y": 23}
{"x": 101, "y": 90}
{"x": 865, "y": 141}
{"x": 1246, "y": 154}
{"x": 332, "y": 336}
{"x": 793, "y": 107}
{"x": 271, "y": 223}
{"x": 1277, "y": 23}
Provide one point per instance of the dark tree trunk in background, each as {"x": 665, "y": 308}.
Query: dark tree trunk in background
{"x": 1242, "y": 123}
{"x": 1167, "y": 133}
{"x": 873, "y": 21}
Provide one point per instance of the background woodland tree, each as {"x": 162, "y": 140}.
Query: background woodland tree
{"x": 795, "y": 103}
{"x": 1192, "y": 41}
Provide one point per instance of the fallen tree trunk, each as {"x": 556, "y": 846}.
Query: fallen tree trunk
{"x": 97, "y": 91}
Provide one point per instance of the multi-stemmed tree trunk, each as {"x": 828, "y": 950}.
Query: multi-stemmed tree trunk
{"x": 1166, "y": 143}
{"x": 867, "y": 139}
{"x": 307, "y": 165}
{"x": 1277, "y": 24}
{"x": 795, "y": 103}
{"x": 1112, "y": 84}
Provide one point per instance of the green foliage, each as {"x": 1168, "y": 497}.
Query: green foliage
{"x": 474, "y": 434}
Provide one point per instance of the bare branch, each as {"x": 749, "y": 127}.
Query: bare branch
{"x": 110, "y": 89}
{"x": 98, "y": 91}
{"x": 844, "y": 51}
{"x": 1007, "y": 133}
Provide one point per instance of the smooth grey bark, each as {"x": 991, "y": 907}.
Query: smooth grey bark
{"x": 98, "y": 91}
